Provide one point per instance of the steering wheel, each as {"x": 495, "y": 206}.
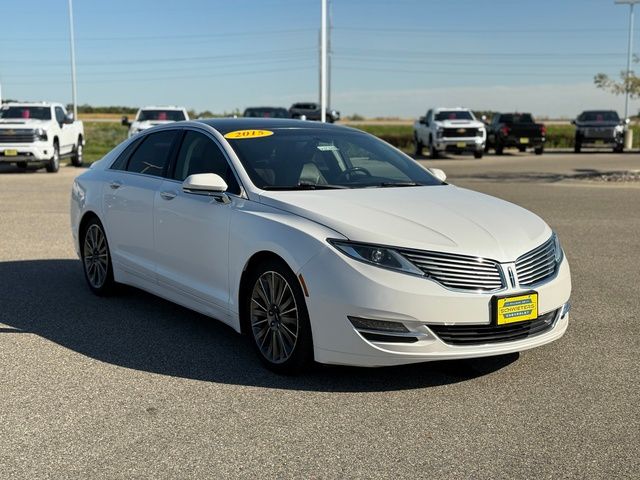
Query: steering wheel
{"x": 346, "y": 175}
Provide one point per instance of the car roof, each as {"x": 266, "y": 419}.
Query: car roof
{"x": 31, "y": 104}
{"x": 599, "y": 111}
{"x": 162, "y": 107}
{"x": 226, "y": 125}
{"x": 459, "y": 109}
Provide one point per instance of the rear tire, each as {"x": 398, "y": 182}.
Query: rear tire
{"x": 96, "y": 258}
{"x": 539, "y": 150}
{"x": 618, "y": 149}
{"x": 53, "y": 165}
{"x": 277, "y": 319}
{"x": 499, "y": 148}
{"x": 522, "y": 149}
{"x": 78, "y": 155}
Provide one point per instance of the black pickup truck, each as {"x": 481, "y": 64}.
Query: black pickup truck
{"x": 311, "y": 111}
{"x": 517, "y": 130}
{"x": 599, "y": 128}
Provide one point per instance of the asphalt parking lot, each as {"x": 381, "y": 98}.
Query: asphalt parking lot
{"x": 135, "y": 387}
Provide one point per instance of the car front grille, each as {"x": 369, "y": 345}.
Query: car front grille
{"x": 537, "y": 265}
{"x": 458, "y": 272}
{"x": 602, "y": 133}
{"x": 460, "y": 132}
{"x": 17, "y": 136}
{"x": 483, "y": 334}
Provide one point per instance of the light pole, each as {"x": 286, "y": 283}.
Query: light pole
{"x": 323, "y": 62}
{"x": 73, "y": 62}
{"x": 631, "y": 4}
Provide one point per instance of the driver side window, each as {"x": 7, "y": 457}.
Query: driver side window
{"x": 200, "y": 154}
{"x": 59, "y": 115}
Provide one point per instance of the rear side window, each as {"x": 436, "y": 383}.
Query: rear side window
{"x": 152, "y": 156}
{"x": 121, "y": 161}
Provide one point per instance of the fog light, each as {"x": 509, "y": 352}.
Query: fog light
{"x": 381, "y": 325}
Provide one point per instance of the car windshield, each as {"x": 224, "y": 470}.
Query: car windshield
{"x": 161, "y": 115}
{"x": 516, "y": 118}
{"x": 599, "y": 117}
{"x": 26, "y": 113}
{"x": 454, "y": 115}
{"x": 316, "y": 158}
{"x": 266, "y": 112}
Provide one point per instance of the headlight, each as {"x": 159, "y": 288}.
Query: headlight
{"x": 439, "y": 131}
{"x": 480, "y": 132}
{"x": 619, "y": 128}
{"x": 557, "y": 249}
{"x": 383, "y": 257}
{"x": 40, "y": 134}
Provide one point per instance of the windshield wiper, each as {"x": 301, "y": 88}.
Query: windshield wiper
{"x": 303, "y": 186}
{"x": 398, "y": 184}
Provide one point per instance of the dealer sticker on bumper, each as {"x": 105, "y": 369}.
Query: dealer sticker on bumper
{"x": 517, "y": 309}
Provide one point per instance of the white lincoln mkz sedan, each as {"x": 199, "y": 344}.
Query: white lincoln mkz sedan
{"x": 319, "y": 242}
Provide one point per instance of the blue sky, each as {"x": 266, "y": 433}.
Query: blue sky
{"x": 390, "y": 57}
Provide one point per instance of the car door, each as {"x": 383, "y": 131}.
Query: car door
{"x": 192, "y": 230}
{"x": 66, "y": 139}
{"x": 129, "y": 193}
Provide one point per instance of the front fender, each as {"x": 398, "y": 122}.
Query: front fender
{"x": 259, "y": 228}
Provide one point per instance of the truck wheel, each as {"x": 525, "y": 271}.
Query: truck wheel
{"x": 433, "y": 152}
{"x": 478, "y": 154}
{"x": 522, "y": 149}
{"x": 78, "y": 155}
{"x": 419, "y": 146}
{"x": 54, "y": 164}
{"x": 618, "y": 149}
{"x": 499, "y": 148}
{"x": 539, "y": 150}
{"x": 577, "y": 146}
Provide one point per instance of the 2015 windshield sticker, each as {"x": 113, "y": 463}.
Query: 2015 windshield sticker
{"x": 241, "y": 134}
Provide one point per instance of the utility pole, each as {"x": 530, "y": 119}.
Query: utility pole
{"x": 329, "y": 51}
{"x": 73, "y": 62}
{"x": 323, "y": 62}
{"x": 631, "y": 4}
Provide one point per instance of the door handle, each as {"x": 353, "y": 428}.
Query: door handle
{"x": 168, "y": 195}
{"x": 115, "y": 185}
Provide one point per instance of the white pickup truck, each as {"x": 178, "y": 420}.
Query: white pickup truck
{"x": 151, "y": 116}
{"x": 451, "y": 130}
{"x": 39, "y": 134}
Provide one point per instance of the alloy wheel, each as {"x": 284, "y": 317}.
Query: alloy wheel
{"x": 96, "y": 256}
{"x": 274, "y": 317}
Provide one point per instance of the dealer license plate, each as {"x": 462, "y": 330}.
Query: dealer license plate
{"x": 518, "y": 308}
{"x": 461, "y": 144}
{"x": 599, "y": 142}
{"x": 10, "y": 153}
{"x": 524, "y": 140}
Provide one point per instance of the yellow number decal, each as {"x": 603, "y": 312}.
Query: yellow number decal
{"x": 239, "y": 134}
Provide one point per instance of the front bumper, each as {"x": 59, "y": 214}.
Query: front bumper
{"x": 465, "y": 144}
{"x": 340, "y": 287}
{"x": 31, "y": 152}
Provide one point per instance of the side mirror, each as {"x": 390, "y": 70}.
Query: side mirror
{"x": 438, "y": 173}
{"x": 422, "y": 120}
{"x": 484, "y": 118}
{"x": 206, "y": 184}
{"x": 124, "y": 121}
{"x": 69, "y": 118}
{"x": 627, "y": 121}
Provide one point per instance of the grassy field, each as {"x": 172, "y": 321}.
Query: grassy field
{"x": 103, "y": 136}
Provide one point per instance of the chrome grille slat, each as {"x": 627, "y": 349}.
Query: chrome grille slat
{"x": 537, "y": 265}
{"x": 459, "y": 272}
{"x": 23, "y": 135}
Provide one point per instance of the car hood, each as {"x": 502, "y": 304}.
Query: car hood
{"x": 18, "y": 122}
{"x": 441, "y": 218}
{"x": 459, "y": 123}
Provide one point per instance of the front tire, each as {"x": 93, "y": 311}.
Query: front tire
{"x": 433, "y": 151}
{"x": 478, "y": 154}
{"x": 96, "y": 258}
{"x": 278, "y": 320}
{"x": 577, "y": 147}
{"x": 419, "y": 146}
{"x": 53, "y": 165}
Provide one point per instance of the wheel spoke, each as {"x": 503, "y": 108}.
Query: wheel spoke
{"x": 259, "y": 304}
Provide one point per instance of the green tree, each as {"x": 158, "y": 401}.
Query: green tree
{"x": 627, "y": 83}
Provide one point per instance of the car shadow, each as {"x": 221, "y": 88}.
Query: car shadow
{"x": 137, "y": 330}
